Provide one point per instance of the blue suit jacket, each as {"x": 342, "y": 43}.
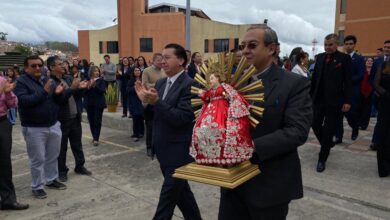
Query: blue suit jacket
{"x": 173, "y": 122}
{"x": 358, "y": 68}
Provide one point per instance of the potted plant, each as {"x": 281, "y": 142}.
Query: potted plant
{"x": 112, "y": 98}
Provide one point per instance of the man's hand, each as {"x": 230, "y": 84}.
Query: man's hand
{"x": 75, "y": 83}
{"x": 59, "y": 89}
{"x": 346, "y": 108}
{"x": 151, "y": 96}
{"x": 140, "y": 90}
{"x": 48, "y": 85}
{"x": 83, "y": 84}
{"x": 8, "y": 87}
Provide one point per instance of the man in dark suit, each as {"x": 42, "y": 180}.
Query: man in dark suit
{"x": 331, "y": 91}
{"x": 375, "y": 67}
{"x": 285, "y": 126}
{"x": 357, "y": 71}
{"x": 172, "y": 130}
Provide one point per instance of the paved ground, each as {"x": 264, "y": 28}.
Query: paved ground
{"x": 125, "y": 183}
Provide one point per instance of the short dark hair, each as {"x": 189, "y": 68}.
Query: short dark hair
{"x": 332, "y": 36}
{"x": 234, "y": 50}
{"x": 51, "y": 61}
{"x": 350, "y": 37}
{"x": 107, "y": 56}
{"x": 387, "y": 41}
{"x": 300, "y": 56}
{"x": 180, "y": 52}
{"x": 380, "y": 49}
{"x": 33, "y": 57}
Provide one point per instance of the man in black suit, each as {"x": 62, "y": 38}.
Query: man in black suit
{"x": 172, "y": 130}
{"x": 331, "y": 91}
{"x": 285, "y": 126}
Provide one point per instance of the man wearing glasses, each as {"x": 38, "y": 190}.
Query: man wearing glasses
{"x": 285, "y": 126}
{"x": 38, "y": 107}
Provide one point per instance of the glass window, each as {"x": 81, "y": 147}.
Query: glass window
{"x": 206, "y": 46}
{"x": 100, "y": 47}
{"x": 343, "y": 6}
{"x": 112, "y": 47}
{"x": 146, "y": 45}
{"x": 221, "y": 45}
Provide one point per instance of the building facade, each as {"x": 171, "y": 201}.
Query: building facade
{"x": 143, "y": 30}
{"x": 368, "y": 20}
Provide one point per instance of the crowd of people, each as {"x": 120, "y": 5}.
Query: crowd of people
{"x": 50, "y": 98}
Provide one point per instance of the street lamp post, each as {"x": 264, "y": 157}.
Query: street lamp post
{"x": 188, "y": 25}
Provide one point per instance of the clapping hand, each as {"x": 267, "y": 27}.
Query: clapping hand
{"x": 59, "y": 89}
{"x": 75, "y": 83}
{"x": 6, "y": 87}
{"x": 83, "y": 84}
{"x": 149, "y": 96}
{"x": 48, "y": 85}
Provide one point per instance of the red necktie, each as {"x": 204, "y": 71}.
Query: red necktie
{"x": 327, "y": 59}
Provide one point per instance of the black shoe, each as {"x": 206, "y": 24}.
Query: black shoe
{"x": 39, "y": 194}
{"x": 141, "y": 136}
{"x": 56, "y": 185}
{"x": 83, "y": 171}
{"x": 124, "y": 116}
{"x": 95, "y": 143}
{"x": 14, "y": 206}
{"x": 320, "y": 167}
{"x": 363, "y": 128}
{"x": 373, "y": 146}
{"x": 63, "y": 178}
{"x": 133, "y": 136}
{"x": 136, "y": 139}
{"x": 355, "y": 134}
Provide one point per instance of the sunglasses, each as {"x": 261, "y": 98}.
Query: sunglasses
{"x": 36, "y": 65}
{"x": 250, "y": 45}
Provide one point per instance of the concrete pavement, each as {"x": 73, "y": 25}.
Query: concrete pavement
{"x": 125, "y": 183}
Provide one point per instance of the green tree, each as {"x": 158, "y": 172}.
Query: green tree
{"x": 23, "y": 49}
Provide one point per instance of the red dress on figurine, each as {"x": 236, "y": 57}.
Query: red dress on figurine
{"x": 221, "y": 134}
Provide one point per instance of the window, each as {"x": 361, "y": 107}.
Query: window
{"x": 112, "y": 47}
{"x": 343, "y": 6}
{"x": 341, "y": 37}
{"x": 221, "y": 45}
{"x": 236, "y": 43}
{"x": 206, "y": 46}
{"x": 146, "y": 44}
{"x": 100, "y": 47}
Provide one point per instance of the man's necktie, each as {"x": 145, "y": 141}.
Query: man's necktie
{"x": 327, "y": 59}
{"x": 167, "y": 87}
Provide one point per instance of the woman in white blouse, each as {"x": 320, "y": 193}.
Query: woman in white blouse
{"x": 302, "y": 60}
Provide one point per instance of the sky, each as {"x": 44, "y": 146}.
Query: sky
{"x": 297, "y": 23}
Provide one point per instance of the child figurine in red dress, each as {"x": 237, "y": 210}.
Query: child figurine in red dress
{"x": 221, "y": 134}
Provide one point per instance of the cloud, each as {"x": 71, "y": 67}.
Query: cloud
{"x": 37, "y": 21}
{"x": 296, "y": 22}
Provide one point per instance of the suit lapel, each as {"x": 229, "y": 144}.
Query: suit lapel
{"x": 174, "y": 87}
{"x": 270, "y": 83}
{"x": 162, "y": 88}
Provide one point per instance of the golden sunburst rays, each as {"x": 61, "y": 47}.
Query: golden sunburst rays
{"x": 256, "y": 85}
{"x": 224, "y": 66}
{"x": 256, "y": 110}
{"x": 240, "y": 68}
{"x": 196, "y": 102}
{"x": 257, "y": 97}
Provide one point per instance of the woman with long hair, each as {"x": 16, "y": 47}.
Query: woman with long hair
{"x": 364, "y": 112}
{"x": 95, "y": 102}
{"x": 382, "y": 87}
{"x": 141, "y": 63}
{"x": 124, "y": 73}
{"x": 135, "y": 105}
